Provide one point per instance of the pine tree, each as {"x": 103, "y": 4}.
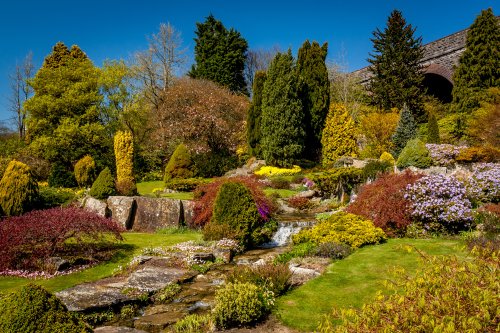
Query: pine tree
{"x": 314, "y": 92}
{"x": 397, "y": 75}
{"x": 479, "y": 65}
{"x": 432, "y": 130}
{"x": 405, "y": 131}
{"x": 339, "y": 137}
{"x": 282, "y": 128}
{"x": 220, "y": 55}
{"x": 255, "y": 114}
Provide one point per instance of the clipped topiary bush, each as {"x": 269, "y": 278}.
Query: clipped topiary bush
{"x": 387, "y": 157}
{"x": 104, "y": 185}
{"x": 61, "y": 177}
{"x": 34, "y": 310}
{"x": 240, "y": 304}
{"x": 180, "y": 164}
{"x": 18, "y": 189}
{"x": 414, "y": 154}
{"x": 341, "y": 227}
{"x": 235, "y": 207}
{"x": 85, "y": 171}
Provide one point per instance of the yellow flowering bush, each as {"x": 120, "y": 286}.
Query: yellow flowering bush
{"x": 345, "y": 228}
{"x": 275, "y": 171}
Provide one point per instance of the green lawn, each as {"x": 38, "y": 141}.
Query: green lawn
{"x": 132, "y": 245}
{"x": 148, "y": 187}
{"x": 355, "y": 280}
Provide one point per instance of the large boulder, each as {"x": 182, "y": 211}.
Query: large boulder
{"x": 96, "y": 206}
{"x": 122, "y": 210}
{"x": 188, "y": 211}
{"x": 155, "y": 213}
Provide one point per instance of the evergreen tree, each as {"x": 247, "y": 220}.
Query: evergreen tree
{"x": 479, "y": 65}
{"x": 339, "y": 137}
{"x": 220, "y": 55}
{"x": 432, "y": 130}
{"x": 314, "y": 92}
{"x": 63, "y": 115}
{"x": 405, "y": 131}
{"x": 255, "y": 114}
{"x": 397, "y": 75}
{"x": 282, "y": 126}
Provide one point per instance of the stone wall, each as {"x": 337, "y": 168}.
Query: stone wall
{"x": 143, "y": 214}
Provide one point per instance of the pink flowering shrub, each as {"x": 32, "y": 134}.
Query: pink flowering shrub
{"x": 27, "y": 241}
{"x": 440, "y": 199}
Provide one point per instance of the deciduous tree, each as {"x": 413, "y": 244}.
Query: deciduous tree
{"x": 21, "y": 91}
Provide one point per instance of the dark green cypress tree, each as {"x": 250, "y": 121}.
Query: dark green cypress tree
{"x": 479, "y": 65}
{"x": 405, "y": 131}
{"x": 397, "y": 75}
{"x": 220, "y": 55}
{"x": 432, "y": 129}
{"x": 314, "y": 93}
{"x": 255, "y": 114}
{"x": 282, "y": 126}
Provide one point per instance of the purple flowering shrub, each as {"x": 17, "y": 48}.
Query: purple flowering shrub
{"x": 444, "y": 154}
{"x": 440, "y": 199}
{"x": 484, "y": 183}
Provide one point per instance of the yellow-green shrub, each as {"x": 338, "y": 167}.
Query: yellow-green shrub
{"x": 447, "y": 295}
{"x": 194, "y": 323}
{"x": 345, "y": 228}
{"x": 180, "y": 165}
{"x": 104, "y": 185}
{"x": 387, "y": 157}
{"x": 486, "y": 154}
{"x": 18, "y": 189}
{"x": 124, "y": 154}
{"x": 240, "y": 304}
{"x": 269, "y": 171}
{"x": 85, "y": 171}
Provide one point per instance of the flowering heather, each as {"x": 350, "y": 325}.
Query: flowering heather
{"x": 484, "y": 183}
{"x": 444, "y": 154}
{"x": 441, "y": 199}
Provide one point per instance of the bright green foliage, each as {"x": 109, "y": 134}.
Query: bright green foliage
{"x": 60, "y": 176}
{"x": 104, "y": 185}
{"x": 63, "y": 115}
{"x": 220, "y": 55}
{"x": 387, "y": 157}
{"x": 234, "y": 207}
{"x": 314, "y": 92}
{"x": 180, "y": 164}
{"x": 479, "y": 65}
{"x": 344, "y": 228}
{"x": 282, "y": 126}
{"x": 240, "y": 304}
{"x": 18, "y": 189}
{"x": 432, "y": 130}
{"x": 255, "y": 114}
{"x": 397, "y": 75}
{"x": 405, "y": 131}
{"x": 34, "y": 310}
{"x": 414, "y": 154}
{"x": 194, "y": 323}
{"x": 85, "y": 171}
{"x": 447, "y": 295}
{"x": 339, "y": 135}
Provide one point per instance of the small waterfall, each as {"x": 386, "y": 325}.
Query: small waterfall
{"x": 286, "y": 228}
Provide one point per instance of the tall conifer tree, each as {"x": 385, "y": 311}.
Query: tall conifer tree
{"x": 220, "y": 55}
{"x": 255, "y": 114}
{"x": 397, "y": 75}
{"x": 314, "y": 92}
{"x": 405, "y": 131}
{"x": 282, "y": 126}
{"x": 479, "y": 65}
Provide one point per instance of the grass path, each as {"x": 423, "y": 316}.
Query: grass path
{"x": 355, "y": 280}
{"x": 132, "y": 245}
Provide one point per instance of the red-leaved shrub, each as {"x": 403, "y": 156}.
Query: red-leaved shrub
{"x": 383, "y": 202}
{"x": 27, "y": 241}
{"x": 492, "y": 208}
{"x": 300, "y": 203}
{"x": 205, "y": 198}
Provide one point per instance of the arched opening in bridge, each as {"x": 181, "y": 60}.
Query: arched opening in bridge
{"x": 438, "y": 86}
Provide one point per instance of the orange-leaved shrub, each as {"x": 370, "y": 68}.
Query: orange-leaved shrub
{"x": 383, "y": 202}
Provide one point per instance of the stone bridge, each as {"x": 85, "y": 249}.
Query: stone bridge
{"x": 440, "y": 58}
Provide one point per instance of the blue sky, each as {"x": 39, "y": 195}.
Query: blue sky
{"x": 112, "y": 29}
